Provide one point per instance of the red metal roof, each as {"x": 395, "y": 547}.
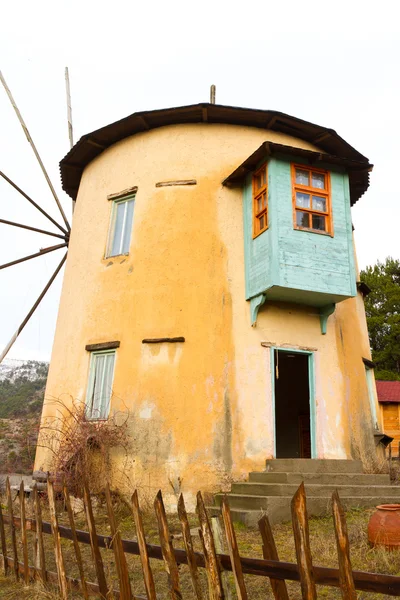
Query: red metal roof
{"x": 388, "y": 391}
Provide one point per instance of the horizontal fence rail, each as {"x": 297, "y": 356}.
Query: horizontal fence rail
{"x": 215, "y": 562}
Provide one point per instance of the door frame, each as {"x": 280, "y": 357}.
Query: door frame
{"x": 311, "y": 388}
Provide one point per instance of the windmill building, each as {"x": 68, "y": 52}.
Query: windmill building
{"x": 211, "y": 292}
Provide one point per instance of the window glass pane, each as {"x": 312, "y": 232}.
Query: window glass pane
{"x": 302, "y": 219}
{"x": 262, "y": 222}
{"x": 260, "y": 179}
{"x": 119, "y": 209}
{"x": 101, "y": 380}
{"x": 302, "y": 200}
{"x": 264, "y": 197}
{"x": 302, "y": 177}
{"x": 104, "y": 406}
{"x": 318, "y": 181}
{"x": 259, "y": 204}
{"x": 95, "y": 396}
{"x": 127, "y": 226}
{"x": 318, "y": 222}
{"x": 319, "y": 203}
{"x": 264, "y": 176}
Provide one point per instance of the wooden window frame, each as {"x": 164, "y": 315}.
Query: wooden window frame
{"x": 369, "y": 374}
{"x": 308, "y": 189}
{"x": 256, "y": 194}
{"x": 89, "y": 409}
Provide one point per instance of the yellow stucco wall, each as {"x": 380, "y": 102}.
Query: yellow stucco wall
{"x": 201, "y": 411}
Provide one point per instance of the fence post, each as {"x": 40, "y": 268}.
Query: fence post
{"x": 3, "y": 542}
{"x": 144, "y": 556}
{"x": 78, "y": 554}
{"x": 120, "y": 560}
{"x": 233, "y": 551}
{"x": 219, "y": 548}
{"x": 343, "y": 549}
{"x": 98, "y": 562}
{"x": 210, "y": 555}
{"x": 302, "y": 544}
{"x": 167, "y": 549}
{"x": 62, "y": 579}
{"x": 270, "y": 552}
{"x": 24, "y": 538}
{"x": 12, "y": 529}
{"x": 187, "y": 540}
{"x": 40, "y": 561}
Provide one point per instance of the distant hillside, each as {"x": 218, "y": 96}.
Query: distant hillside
{"x": 22, "y": 385}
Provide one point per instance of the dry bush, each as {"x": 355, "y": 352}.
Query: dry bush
{"x": 375, "y": 464}
{"x": 81, "y": 448}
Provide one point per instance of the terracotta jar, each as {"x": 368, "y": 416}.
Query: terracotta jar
{"x": 384, "y": 527}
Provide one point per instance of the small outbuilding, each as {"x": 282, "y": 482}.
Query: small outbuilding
{"x": 389, "y": 403}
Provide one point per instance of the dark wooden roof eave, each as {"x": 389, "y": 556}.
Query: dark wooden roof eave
{"x": 358, "y": 170}
{"x": 93, "y": 144}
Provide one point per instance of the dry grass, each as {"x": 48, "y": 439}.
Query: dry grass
{"x": 322, "y": 543}
{"x": 11, "y": 590}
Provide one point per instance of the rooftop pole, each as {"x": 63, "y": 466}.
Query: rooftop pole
{"x": 212, "y": 94}
{"x": 69, "y": 109}
{"x": 69, "y": 117}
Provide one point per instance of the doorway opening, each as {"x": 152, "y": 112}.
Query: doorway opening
{"x": 292, "y": 405}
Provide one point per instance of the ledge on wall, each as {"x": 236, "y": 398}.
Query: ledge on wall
{"x": 169, "y": 340}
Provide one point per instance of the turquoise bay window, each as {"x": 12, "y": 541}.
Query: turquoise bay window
{"x": 306, "y": 254}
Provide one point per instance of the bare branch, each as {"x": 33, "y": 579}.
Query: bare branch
{"x": 32, "y": 228}
{"x": 30, "y": 313}
{"x": 16, "y": 187}
{"x": 83, "y": 447}
{"x": 40, "y": 253}
{"x": 30, "y": 140}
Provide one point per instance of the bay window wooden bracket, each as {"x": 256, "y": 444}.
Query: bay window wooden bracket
{"x": 324, "y": 313}
{"x": 255, "y": 304}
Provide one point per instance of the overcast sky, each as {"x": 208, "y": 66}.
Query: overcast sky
{"x": 331, "y": 63}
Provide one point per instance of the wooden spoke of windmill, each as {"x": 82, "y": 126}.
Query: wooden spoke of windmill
{"x": 64, "y": 231}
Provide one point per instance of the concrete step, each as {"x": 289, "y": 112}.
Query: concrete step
{"x": 325, "y": 490}
{"x": 313, "y": 465}
{"x": 278, "y": 508}
{"x": 256, "y": 502}
{"x": 319, "y": 478}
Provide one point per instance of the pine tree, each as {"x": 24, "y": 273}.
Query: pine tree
{"x": 382, "y": 308}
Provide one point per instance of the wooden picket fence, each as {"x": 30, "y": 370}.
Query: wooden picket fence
{"x": 211, "y": 559}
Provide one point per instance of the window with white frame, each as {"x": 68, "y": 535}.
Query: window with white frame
{"x": 101, "y": 375}
{"x": 371, "y": 395}
{"x": 119, "y": 237}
